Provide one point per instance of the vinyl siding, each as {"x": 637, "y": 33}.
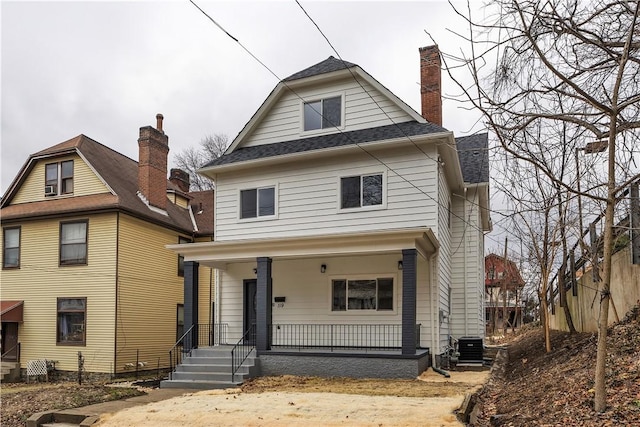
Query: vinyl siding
{"x": 307, "y": 196}
{"x": 443, "y": 233}
{"x": 40, "y": 281}
{"x": 308, "y": 292}
{"x": 85, "y": 181}
{"x": 363, "y": 109}
{"x": 149, "y": 290}
{"x": 467, "y": 319}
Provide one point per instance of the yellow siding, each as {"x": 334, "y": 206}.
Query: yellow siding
{"x": 85, "y": 181}
{"x": 149, "y": 290}
{"x": 40, "y": 281}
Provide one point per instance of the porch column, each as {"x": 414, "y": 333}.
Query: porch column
{"x": 409, "y": 294}
{"x": 263, "y": 304}
{"x": 191, "y": 303}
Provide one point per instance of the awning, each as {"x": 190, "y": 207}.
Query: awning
{"x": 11, "y": 311}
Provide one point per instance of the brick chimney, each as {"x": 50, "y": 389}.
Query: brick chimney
{"x": 152, "y": 164}
{"x": 181, "y": 179}
{"x": 430, "y": 84}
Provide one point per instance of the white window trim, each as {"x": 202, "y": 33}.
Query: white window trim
{"x": 258, "y": 218}
{"x": 361, "y": 173}
{"x": 394, "y": 312}
{"x": 320, "y": 98}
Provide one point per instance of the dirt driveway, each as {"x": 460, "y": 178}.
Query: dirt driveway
{"x": 430, "y": 402}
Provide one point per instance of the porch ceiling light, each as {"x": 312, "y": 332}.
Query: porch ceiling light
{"x": 400, "y": 265}
{"x": 323, "y": 268}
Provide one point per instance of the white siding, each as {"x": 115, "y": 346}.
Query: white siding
{"x": 363, "y": 109}
{"x": 467, "y": 268}
{"x": 308, "y": 292}
{"x": 307, "y": 196}
{"x": 443, "y": 233}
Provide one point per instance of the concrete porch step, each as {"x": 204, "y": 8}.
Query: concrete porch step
{"x": 199, "y": 384}
{"x": 210, "y": 368}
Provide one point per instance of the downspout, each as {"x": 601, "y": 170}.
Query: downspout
{"x": 464, "y": 281}
{"x": 115, "y": 329}
{"x": 435, "y": 343}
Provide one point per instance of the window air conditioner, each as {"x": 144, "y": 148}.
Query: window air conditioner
{"x": 49, "y": 190}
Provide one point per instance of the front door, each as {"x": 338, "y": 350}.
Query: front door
{"x": 9, "y": 341}
{"x": 250, "y": 291}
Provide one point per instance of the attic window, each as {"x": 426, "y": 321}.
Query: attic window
{"x": 58, "y": 178}
{"x": 323, "y": 113}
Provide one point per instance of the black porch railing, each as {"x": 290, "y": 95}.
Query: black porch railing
{"x": 202, "y": 335}
{"x": 333, "y": 336}
{"x": 242, "y": 349}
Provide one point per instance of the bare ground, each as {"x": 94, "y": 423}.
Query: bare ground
{"x": 20, "y": 401}
{"x": 297, "y": 401}
{"x": 556, "y": 388}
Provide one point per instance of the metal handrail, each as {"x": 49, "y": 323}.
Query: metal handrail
{"x": 246, "y": 344}
{"x": 15, "y": 347}
{"x": 175, "y": 355}
{"x": 202, "y": 334}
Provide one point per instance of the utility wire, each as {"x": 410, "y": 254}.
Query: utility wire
{"x": 284, "y": 83}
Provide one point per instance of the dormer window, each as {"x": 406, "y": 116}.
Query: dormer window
{"x": 323, "y": 114}
{"x": 58, "y": 178}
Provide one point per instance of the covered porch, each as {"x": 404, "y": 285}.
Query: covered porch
{"x": 349, "y": 299}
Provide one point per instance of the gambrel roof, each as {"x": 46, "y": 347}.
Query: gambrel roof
{"x": 117, "y": 172}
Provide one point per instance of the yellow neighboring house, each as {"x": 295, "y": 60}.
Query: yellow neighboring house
{"x": 84, "y": 264}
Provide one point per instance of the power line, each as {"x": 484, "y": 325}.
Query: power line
{"x": 284, "y": 83}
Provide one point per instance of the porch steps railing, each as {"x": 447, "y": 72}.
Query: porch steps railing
{"x": 241, "y": 351}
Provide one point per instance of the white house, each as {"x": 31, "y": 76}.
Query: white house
{"x": 348, "y": 230}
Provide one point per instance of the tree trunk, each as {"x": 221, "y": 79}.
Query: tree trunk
{"x": 565, "y": 305}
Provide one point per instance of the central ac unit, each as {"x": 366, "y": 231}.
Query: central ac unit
{"x": 49, "y": 190}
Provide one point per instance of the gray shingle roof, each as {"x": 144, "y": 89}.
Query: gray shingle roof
{"x": 473, "y": 152}
{"x": 327, "y": 141}
{"x": 328, "y": 65}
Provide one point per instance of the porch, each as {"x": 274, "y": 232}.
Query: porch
{"x": 204, "y": 359}
{"x": 350, "y": 299}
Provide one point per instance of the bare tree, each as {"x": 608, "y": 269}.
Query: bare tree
{"x": 562, "y": 63}
{"x": 191, "y": 159}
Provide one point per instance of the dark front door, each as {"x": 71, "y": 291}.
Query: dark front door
{"x": 9, "y": 341}
{"x": 250, "y": 316}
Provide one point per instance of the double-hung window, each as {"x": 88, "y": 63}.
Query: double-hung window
{"x": 11, "y": 247}
{"x": 322, "y": 114}
{"x": 58, "y": 178}
{"x": 375, "y": 294}
{"x": 361, "y": 190}
{"x": 71, "y": 321}
{"x": 73, "y": 243}
{"x": 258, "y": 202}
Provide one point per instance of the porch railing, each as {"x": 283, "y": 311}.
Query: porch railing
{"x": 339, "y": 336}
{"x": 242, "y": 349}
{"x": 203, "y": 334}
{"x": 12, "y": 354}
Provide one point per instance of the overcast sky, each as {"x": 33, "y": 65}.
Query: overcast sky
{"x": 104, "y": 69}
